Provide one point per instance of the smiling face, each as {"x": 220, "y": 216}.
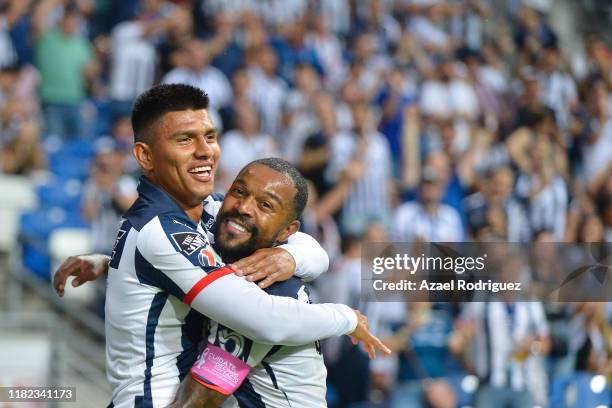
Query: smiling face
{"x": 182, "y": 156}
{"x": 257, "y": 212}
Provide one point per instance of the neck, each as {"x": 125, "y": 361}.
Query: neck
{"x": 194, "y": 213}
{"x": 193, "y": 210}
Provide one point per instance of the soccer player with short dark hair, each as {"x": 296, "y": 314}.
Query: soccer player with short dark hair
{"x": 164, "y": 273}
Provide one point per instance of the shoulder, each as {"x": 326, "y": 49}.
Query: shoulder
{"x": 231, "y": 137}
{"x": 212, "y": 205}
{"x": 449, "y": 212}
{"x": 407, "y": 209}
{"x": 292, "y": 287}
{"x": 174, "y": 76}
{"x": 164, "y": 228}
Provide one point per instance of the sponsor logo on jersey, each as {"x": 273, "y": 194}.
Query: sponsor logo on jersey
{"x": 210, "y": 223}
{"x": 206, "y": 257}
{"x": 120, "y": 235}
{"x": 189, "y": 242}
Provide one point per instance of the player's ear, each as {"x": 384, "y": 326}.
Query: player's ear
{"x": 142, "y": 153}
{"x": 288, "y": 231}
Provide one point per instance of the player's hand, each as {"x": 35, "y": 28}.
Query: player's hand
{"x": 85, "y": 268}
{"x": 266, "y": 266}
{"x": 362, "y": 334}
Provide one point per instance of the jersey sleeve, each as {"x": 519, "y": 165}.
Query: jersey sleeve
{"x": 170, "y": 252}
{"x": 311, "y": 260}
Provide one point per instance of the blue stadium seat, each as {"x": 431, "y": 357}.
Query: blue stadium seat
{"x": 66, "y": 164}
{"x": 80, "y": 147}
{"x": 102, "y": 124}
{"x": 465, "y": 387}
{"x": 580, "y": 390}
{"x": 35, "y": 228}
{"x": 64, "y": 193}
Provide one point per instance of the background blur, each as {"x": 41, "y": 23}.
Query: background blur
{"x": 415, "y": 120}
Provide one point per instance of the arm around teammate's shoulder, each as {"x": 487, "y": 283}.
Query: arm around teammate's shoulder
{"x": 164, "y": 260}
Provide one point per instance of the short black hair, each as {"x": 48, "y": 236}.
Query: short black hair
{"x": 161, "y": 99}
{"x": 299, "y": 182}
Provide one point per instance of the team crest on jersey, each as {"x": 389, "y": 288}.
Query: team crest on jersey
{"x": 189, "y": 242}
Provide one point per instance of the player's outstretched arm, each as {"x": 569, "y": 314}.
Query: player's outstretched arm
{"x": 370, "y": 342}
{"x": 228, "y": 299}
{"x": 84, "y": 268}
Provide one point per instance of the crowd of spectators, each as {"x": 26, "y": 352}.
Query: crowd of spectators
{"x": 413, "y": 120}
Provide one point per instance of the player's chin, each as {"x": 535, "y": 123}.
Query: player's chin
{"x": 202, "y": 189}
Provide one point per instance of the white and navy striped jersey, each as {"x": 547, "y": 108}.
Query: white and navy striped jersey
{"x": 132, "y": 61}
{"x": 412, "y": 221}
{"x": 500, "y": 328}
{"x": 369, "y": 196}
{"x": 281, "y": 376}
{"x": 162, "y": 264}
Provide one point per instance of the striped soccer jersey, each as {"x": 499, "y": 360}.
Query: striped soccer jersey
{"x": 281, "y": 376}
{"x": 163, "y": 273}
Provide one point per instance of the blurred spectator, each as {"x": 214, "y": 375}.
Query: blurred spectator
{"x": 428, "y": 348}
{"x": 449, "y": 93}
{"x": 66, "y": 63}
{"x": 558, "y": 87}
{"x": 532, "y": 34}
{"x": 300, "y": 114}
{"x": 338, "y": 14}
{"x": 591, "y": 341}
{"x": 123, "y": 137}
{"x": 293, "y": 49}
{"x": 107, "y": 195}
{"x": 243, "y": 145}
{"x": 133, "y": 59}
{"x": 268, "y": 89}
{"x": 328, "y": 50}
{"x": 507, "y": 336}
{"x": 595, "y": 142}
{"x": 14, "y": 47}
{"x": 427, "y": 26}
{"x": 369, "y": 199}
{"x": 493, "y": 213}
{"x": 348, "y": 366}
{"x": 21, "y": 151}
{"x": 395, "y": 96}
{"x": 427, "y": 220}
{"x": 198, "y": 72}
{"x": 315, "y": 151}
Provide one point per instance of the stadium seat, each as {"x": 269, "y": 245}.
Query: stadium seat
{"x": 581, "y": 390}
{"x": 68, "y": 165}
{"x": 18, "y": 195}
{"x": 36, "y": 228}
{"x": 58, "y": 192}
{"x": 79, "y": 147}
{"x": 65, "y": 242}
{"x": 465, "y": 387}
